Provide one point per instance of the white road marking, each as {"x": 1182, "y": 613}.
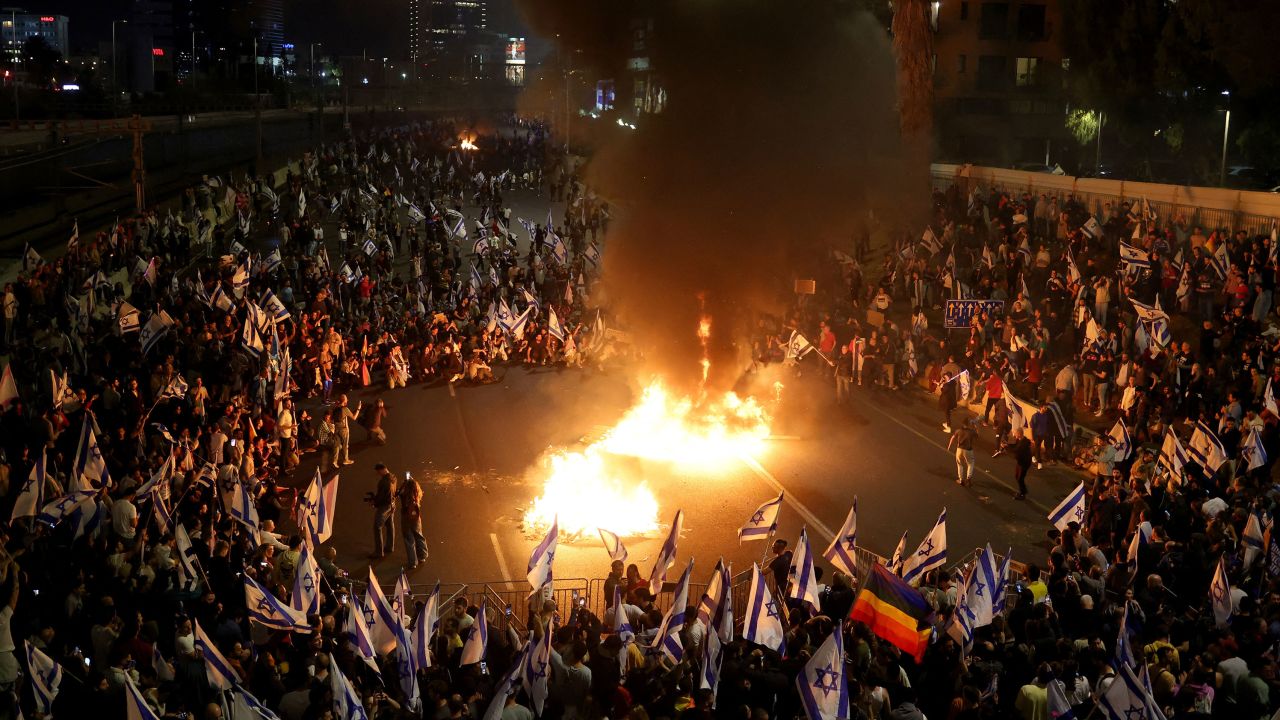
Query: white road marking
{"x": 822, "y": 530}
{"x": 502, "y": 560}
{"x": 1038, "y": 506}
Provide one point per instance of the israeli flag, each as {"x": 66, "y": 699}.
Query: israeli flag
{"x": 668, "y": 637}
{"x": 931, "y": 554}
{"x": 1252, "y": 449}
{"x": 824, "y": 689}
{"x": 473, "y": 650}
{"x": 245, "y": 705}
{"x": 135, "y": 706}
{"x": 762, "y": 522}
{"x": 1092, "y": 228}
{"x": 128, "y": 318}
{"x": 1220, "y": 594}
{"x": 55, "y": 512}
{"x": 157, "y": 483}
{"x": 219, "y": 672}
{"x": 425, "y": 628}
{"x": 188, "y": 562}
{"x": 531, "y": 301}
{"x": 158, "y": 325}
{"x": 899, "y": 554}
{"x": 46, "y": 676}
{"x": 459, "y": 229}
{"x": 520, "y": 323}
{"x": 592, "y": 254}
{"x": 762, "y": 623}
{"x": 930, "y": 241}
{"x": 843, "y": 548}
{"x": 979, "y": 593}
{"x": 1269, "y": 400}
{"x": 306, "y": 583}
{"x": 558, "y": 250}
{"x": 316, "y": 508}
{"x": 1141, "y": 537}
{"x": 1252, "y": 541}
{"x": 715, "y": 610}
{"x": 1071, "y": 509}
{"x": 613, "y": 544}
{"x": 175, "y": 389}
{"x": 1073, "y": 272}
{"x": 481, "y": 246}
{"x": 267, "y": 610}
{"x": 1221, "y": 261}
{"x": 251, "y": 339}
{"x": 357, "y": 631}
{"x": 273, "y": 260}
{"x": 797, "y": 346}
{"x": 240, "y": 279}
{"x": 666, "y": 556}
{"x": 534, "y": 675}
{"x": 540, "y": 562}
{"x": 274, "y": 307}
{"x": 1125, "y": 698}
{"x": 804, "y": 586}
{"x": 1206, "y": 448}
{"x": 619, "y": 623}
{"x": 220, "y": 299}
{"x": 347, "y": 704}
{"x": 999, "y": 590}
{"x": 1173, "y": 456}
{"x": 506, "y": 686}
{"x": 712, "y": 661}
{"x": 379, "y": 616}
{"x": 1119, "y": 436}
{"x": 31, "y": 497}
{"x": 553, "y": 325}
{"x": 402, "y": 655}
{"x": 1124, "y": 647}
{"x": 245, "y": 510}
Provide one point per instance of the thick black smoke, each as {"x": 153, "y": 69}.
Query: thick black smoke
{"x": 780, "y": 132}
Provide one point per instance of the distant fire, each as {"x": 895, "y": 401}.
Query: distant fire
{"x": 602, "y": 486}
{"x": 466, "y": 144}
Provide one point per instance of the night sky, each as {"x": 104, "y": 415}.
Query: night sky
{"x": 344, "y": 26}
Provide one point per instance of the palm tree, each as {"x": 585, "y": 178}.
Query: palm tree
{"x": 913, "y": 46}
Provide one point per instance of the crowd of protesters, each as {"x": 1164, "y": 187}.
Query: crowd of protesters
{"x": 206, "y": 350}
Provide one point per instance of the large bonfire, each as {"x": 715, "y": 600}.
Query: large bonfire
{"x": 601, "y": 485}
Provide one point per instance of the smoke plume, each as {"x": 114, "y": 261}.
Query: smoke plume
{"x": 779, "y": 133}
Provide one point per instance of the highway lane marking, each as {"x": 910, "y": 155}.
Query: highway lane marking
{"x": 466, "y": 436}
{"x": 1007, "y": 485}
{"x": 502, "y": 559}
{"x": 823, "y": 531}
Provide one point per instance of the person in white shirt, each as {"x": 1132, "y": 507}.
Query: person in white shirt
{"x": 124, "y": 517}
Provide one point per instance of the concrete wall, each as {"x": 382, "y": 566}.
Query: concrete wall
{"x": 1210, "y": 207}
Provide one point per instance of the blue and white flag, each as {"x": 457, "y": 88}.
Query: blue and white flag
{"x": 273, "y": 260}
{"x": 316, "y": 508}
{"x": 804, "y": 583}
{"x": 424, "y": 629}
{"x": 380, "y": 618}
{"x": 531, "y": 301}
{"x": 1220, "y": 594}
{"x": 158, "y": 484}
{"x": 188, "y": 561}
{"x": 240, "y": 279}
{"x": 1071, "y": 509}
{"x": 1206, "y": 448}
{"x": 1134, "y": 257}
{"x": 762, "y": 522}
{"x": 267, "y": 610}
{"x": 1059, "y": 707}
{"x": 244, "y": 705}
{"x": 459, "y": 229}
{"x": 619, "y": 623}
{"x": 1141, "y": 537}
{"x": 712, "y": 661}
{"x": 592, "y": 254}
{"x": 613, "y": 544}
{"x": 537, "y": 670}
{"x": 932, "y": 553}
{"x": 1125, "y": 698}
{"x": 1092, "y": 228}
{"x": 1001, "y": 587}
{"x": 842, "y": 552}
{"x": 553, "y": 325}
{"x": 251, "y": 339}
{"x": 898, "y": 556}
{"x": 506, "y": 687}
{"x": 1119, "y": 436}
{"x": 543, "y": 556}
{"x": 1221, "y": 261}
{"x": 1252, "y": 450}
{"x": 245, "y": 510}
{"x": 274, "y": 307}
{"x": 220, "y": 673}
{"x": 1173, "y": 456}
{"x": 58, "y": 510}
{"x": 357, "y": 631}
{"x": 158, "y": 325}
{"x": 1269, "y": 400}
{"x": 763, "y": 622}
{"x": 1124, "y": 656}
{"x": 220, "y": 299}
{"x": 306, "y": 583}
{"x": 823, "y": 685}
{"x": 31, "y": 497}
{"x": 135, "y": 706}
{"x": 473, "y": 650}
{"x": 46, "y": 676}
{"x": 163, "y": 668}
{"x": 716, "y": 601}
{"x": 668, "y": 637}
{"x": 402, "y": 654}
{"x": 347, "y": 704}
{"x": 666, "y": 556}
{"x": 520, "y": 323}
{"x": 559, "y": 252}
{"x": 1253, "y": 541}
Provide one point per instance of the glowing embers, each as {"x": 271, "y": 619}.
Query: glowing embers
{"x": 602, "y": 486}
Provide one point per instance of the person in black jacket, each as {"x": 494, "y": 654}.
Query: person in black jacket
{"x": 1022, "y": 456}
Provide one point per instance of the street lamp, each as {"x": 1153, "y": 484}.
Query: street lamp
{"x": 1226, "y": 130}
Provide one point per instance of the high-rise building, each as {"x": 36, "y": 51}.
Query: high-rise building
{"x": 451, "y": 36}
{"x": 999, "y": 81}
{"x": 19, "y": 25}
{"x": 419, "y": 14}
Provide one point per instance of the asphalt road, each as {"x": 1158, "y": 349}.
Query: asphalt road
{"x": 476, "y": 452}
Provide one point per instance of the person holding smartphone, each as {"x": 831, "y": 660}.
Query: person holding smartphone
{"x": 409, "y": 497}
{"x": 384, "y": 512}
